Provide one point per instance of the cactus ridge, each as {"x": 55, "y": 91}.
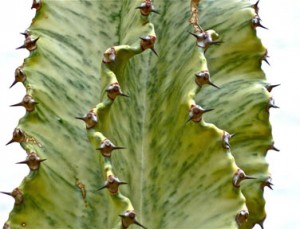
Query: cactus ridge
{"x": 182, "y": 125}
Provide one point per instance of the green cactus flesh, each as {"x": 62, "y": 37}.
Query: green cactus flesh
{"x": 138, "y": 83}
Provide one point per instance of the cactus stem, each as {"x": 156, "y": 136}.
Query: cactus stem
{"x": 256, "y": 22}
{"x": 33, "y": 161}
{"x": 128, "y": 218}
{"x": 106, "y": 148}
{"x": 90, "y": 119}
{"x": 270, "y": 87}
{"x": 114, "y": 90}
{"x": 239, "y": 176}
{"x": 242, "y": 217}
{"x": 28, "y": 103}
{"x": 19, "y": 76}
{"x": 16, "y": 194}
{"x": 18, "y": 136}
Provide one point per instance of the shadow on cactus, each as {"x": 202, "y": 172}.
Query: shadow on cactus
{"x": 143, "y": 116}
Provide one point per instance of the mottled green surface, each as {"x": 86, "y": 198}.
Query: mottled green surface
{"x": 179, "y": 175}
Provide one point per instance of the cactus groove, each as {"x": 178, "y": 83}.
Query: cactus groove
{"x": 143, "y": 114}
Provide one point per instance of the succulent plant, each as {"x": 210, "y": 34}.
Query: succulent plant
{"x": 143, "y": 114}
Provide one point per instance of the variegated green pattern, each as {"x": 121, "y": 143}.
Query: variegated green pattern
{"x": 179, "y": 173}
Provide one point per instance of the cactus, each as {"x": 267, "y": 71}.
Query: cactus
{"x": 143, "y": 114}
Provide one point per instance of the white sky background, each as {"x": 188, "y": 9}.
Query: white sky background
{"x": 282, "y": 40}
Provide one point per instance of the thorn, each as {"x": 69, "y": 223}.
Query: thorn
{"x": 256, "y": 22}
{"x": 196, "y": 113}
{"x": 204, "y": 40}
{"x": 106, "y": 148}
{"x": 265, "y": 56}
{"x": 267, "y": 183}
{"x": 33, "y": 161}
{"x": 239, "y": 176}
{"x": 114, "y": 90}
{"x": 109, "y": 56}
{"x": 212, "y": 84}
{"x": 203, "y": 78}
{"x": 270, "y": 87}
{"x": 16, "y": 194}
{"x": 261, "y": 223}
{"x": 255, "y": 7}
{"x": 272, "y": 103}
{"x": 153, "y": 50}
{"x": 29, "y": 43}
{"x": 19, "y": 76}
{"x": 112, "y": 184}
{"x": 226, "y": 138}
{"x": 90, "y": 119}
{"x": 28, "y": 103}
{"x": 36, "y": 4}
{"x": 128, "y": 218}
{"x": 18, "y": 136}
{"x": 148, "y": 43}
{"x": 242, "y": 217}
{"x": 146, "y": 8}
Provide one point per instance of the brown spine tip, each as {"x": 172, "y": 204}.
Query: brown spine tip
{"x": 18, "y": 136}
{"x": 36, "y": 4}
{"x": 28, "y": 103}
{"x": 196, "y": 113}
{"x": 202, "y": 78}
{"x": 90, "y": 119}
{"x": 33, "y": 161}
{"x": 106, "y": 148}
{"x": 16, "y": 194}
{"x": 20, "y": 76}
{"x": 239, "y": 176}
{"x": 112, "y": 184}
{"x": 128, "y": 218}
{"x": 241, "y": 217}
{"x": 114, "y": 90}
{"x": 146, "y": 8}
